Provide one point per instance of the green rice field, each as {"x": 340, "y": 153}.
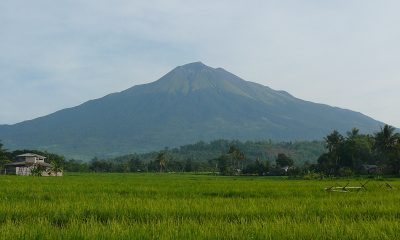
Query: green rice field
{"x": 184, "y": 206}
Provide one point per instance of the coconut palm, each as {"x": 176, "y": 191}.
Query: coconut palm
{"x": 333, "y": 142}
{"x": 3, "y": 157}
{"x": 386, "y": 139}
{"x": 355, "y": 132}
{"x": 238, "y": 157}
{"x": 55, "y": 168}
{"x": 161, "y": 159}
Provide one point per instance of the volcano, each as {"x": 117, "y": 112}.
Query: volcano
{"x": 192, "y": 102}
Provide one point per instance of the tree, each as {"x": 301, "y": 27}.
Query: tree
{"x": 386, "y": 139}
{"x": 354, "y": 133}
{"x": 261, "y": 168}
{"x": 3, "y": 157}
{"x": 282, "y": 160}
{"x": 224, "y": 165}
{"x": 356, "y": 150}
{"x": 55, "y": 168}
{"x": 327, "y": 164}
{"x": 133, "y": 164}
{"x": 348, "y": 155}
{"x": 237, "y": 156}
{"x": 188, "y": 167}
{"x": 257, "y": 167}
{"x": 161, "y": 160}
{"x": 333, "y": 142}
{"x": 73, "y": 165}
{"x": 37, "y": 170}
{"x": 386, "y": 147}
{"x": 98, "y": 165}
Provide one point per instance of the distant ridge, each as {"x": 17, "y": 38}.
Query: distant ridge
{"x": 190, "y": 103}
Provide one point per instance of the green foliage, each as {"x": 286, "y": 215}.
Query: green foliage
{"x": 162, "y": 161}
{"x": 73, "y": 165}
{"x": 55, "y": 168}
{"x": 294, "y": 172}
{"x": 202, "y": 152}
{"x": 350, "y": 155}
{"x": 345, "y": 172}
{"x": 237, "y": 157}
{"x": 258, "y": 167}
{"x": 57, "y": 161}
{"x": 387, "y": 150}
{"x": 386, "y": 140}
{"x": 283, "y": 161}
{"x": 3, "y": 157}
{"x": 313, "y": 176}
{"x": 232, "y": 162}
{"x": 225, "y": 165}
{"x": 37, "y": 170}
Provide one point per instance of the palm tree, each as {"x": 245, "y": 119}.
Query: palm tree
{"x": 333, "y": 142}
{"x": 386, "y": 139}
{"x": 386, "y": 143}
{"x": 55, "y": 168}
{"x": 161, "y": 159}
{"x": 237, "y": 156}
{"x": 3, "y": 157}
{"x": 355, "y": 132}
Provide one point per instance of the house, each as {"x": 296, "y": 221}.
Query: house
{"x": 27, "y": 162}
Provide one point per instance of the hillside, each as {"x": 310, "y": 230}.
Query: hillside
{"x": 202, "y": 152}
{"x": 190, "y": 103}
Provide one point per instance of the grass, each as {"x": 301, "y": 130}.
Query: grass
{"x": 174, "y": 206}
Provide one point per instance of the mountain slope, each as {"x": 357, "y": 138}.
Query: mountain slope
{"x": 191, "y": 103}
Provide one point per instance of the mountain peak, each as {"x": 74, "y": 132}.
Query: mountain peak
{"x": 198, "y": 76}
{"x": 195, "y": 66}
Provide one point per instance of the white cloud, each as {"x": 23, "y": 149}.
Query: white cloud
{"x": 342, "y": 53}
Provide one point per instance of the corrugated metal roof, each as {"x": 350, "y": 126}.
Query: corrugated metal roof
{"x": 16, "y": 164}
{"x": 31, "y": 155}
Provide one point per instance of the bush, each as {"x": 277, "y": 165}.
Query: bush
{"x": 294, "y": 172}
{"x": 313, "y": 176}
{"x": 37, "y": 170}
{"x": 345, "y": 172}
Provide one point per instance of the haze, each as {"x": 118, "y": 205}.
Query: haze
{"x": 58, "y": 54}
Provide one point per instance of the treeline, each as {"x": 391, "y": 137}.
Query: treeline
{"x": 198, "y": 157}
{"x": 233, "y": 162}
{"x": 205, "y": 157}
{"x": 337, "y": 155}
{"x": 202, "y": 154}
{"x": 358, "y": 153}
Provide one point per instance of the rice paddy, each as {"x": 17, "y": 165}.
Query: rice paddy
{"x": 184, "y": 206}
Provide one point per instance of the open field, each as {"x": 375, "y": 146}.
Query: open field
{"x": 172, "y": 206}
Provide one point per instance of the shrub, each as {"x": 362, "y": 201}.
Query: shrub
{"x": 345, "y": 172}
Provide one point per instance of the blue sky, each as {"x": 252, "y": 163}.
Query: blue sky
{"x": 58, "y": 54}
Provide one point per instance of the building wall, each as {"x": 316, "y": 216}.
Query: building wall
{"x": 23, "y": 171}
{"x": 26, "y": 171}
{"x": 10, "y": 170}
